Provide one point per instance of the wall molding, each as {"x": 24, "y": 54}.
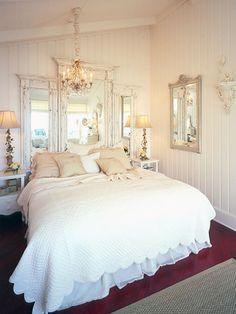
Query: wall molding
{"x": 225, "y": 219}
{"x": 67, "y": 30}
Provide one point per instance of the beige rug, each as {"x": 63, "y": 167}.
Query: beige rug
{"x": 212, "y": 291}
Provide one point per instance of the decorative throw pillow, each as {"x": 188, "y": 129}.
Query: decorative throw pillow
{"x": 111, "y": 166}
{"x": 44, "y": 165}
{"x": 69, "y": 165}
{"x": 117, "y": 153}
{"x": 89, "y": 163}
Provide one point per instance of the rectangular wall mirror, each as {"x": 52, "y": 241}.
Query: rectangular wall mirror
{"x": 185, "y": 114}
{"x": 39, "y": 101}
{"x": 84, "y": 115}
{"x": 125, "y": 116}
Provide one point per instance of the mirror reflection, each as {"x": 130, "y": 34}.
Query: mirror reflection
{"x": 185, "y": 114}
{"x": 125, "y": 116}
{"x": 39, "y": 103}
{"x": 84, "y": 115}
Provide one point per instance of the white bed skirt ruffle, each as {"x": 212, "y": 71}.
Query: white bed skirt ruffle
{"x": 86, "y": 292}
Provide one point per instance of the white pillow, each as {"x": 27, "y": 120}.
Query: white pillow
{"x": 89, "y": 163}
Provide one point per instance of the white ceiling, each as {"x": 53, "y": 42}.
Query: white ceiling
{"x": 18, "y": 15}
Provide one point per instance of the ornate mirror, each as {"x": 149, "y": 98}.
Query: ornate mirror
{"x": 125, "y": 116}
{"x": 185, "y": 114}
{"x": 87, "y": 118}
{"x": 85, "y": 115}
{"x": 38, "y": 116}
{"x": 125, "y": 98}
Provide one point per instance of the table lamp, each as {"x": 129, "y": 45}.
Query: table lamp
{"x": 8, "y": 121}
{"x": 142, "y": 122}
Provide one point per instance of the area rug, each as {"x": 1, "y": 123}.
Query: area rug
{"x": 212, "y": 291}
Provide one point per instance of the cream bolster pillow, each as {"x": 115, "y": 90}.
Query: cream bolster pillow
{"x": 89, "y": 163}
{"x": 44, "y": 165}
{"x": 111, "y": 166}
{"x": 117, "y": 153}
{"x": 69, "y": 165}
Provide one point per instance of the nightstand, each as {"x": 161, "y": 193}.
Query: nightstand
{"x": 11, "y": 185}
{"x": 150, "y": 164}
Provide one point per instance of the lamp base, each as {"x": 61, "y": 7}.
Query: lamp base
{"x": 144, "y": 158}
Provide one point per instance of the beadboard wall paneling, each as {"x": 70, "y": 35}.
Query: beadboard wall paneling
{"x": 191, "y": 42}
{"x": 127, "y": 48}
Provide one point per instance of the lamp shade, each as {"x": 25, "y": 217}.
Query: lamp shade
{"x": 8, "y": 120}
{"x": 127, "y": 123}
{"x": 142, "y": 122}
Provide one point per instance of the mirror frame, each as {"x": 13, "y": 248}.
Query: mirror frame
{"x": 39, "y": 82}
{"x": 182, "y": 82}
{"x": 100, "y": 72}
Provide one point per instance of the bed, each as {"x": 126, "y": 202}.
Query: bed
{"x": 91, "y": 232}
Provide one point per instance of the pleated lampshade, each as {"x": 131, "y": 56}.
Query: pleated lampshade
{"x": 142, "y": 122}
{"x": 8, "y": 120}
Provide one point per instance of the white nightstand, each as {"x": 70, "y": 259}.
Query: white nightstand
{"x": 8, "y": 204}
{"x": 150, "y": 164}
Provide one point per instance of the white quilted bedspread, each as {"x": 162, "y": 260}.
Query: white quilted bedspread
{"x": 82, "y": 227}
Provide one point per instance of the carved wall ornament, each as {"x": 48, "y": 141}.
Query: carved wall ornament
{"x": 227, "y": 86}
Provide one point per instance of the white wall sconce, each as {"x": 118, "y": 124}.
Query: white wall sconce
{"x": 226, "y": 87}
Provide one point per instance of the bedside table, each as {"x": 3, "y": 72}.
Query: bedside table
{"x": 150, "y": 164}
{"x": 11, "y": 185}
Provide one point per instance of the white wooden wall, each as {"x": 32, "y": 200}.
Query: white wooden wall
{"x": 191, "y": 42}
{"x": 127, "y": 48}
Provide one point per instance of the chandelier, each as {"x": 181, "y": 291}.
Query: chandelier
{"x": 76, "y": 78}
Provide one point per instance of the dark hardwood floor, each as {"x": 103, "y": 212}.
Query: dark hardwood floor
{"x": 12, "y": 244}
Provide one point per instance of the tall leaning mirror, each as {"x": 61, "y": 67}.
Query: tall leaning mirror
{"x": 38, "y": 99}
{"x": 185, "y": 114}
{"x": 86, "y": 117}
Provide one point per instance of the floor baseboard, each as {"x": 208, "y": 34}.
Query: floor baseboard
{"x": 225, "y": 219}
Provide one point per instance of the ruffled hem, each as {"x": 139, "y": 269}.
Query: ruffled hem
{"x": 79, "y": 292}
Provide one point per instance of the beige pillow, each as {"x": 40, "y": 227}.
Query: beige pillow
{"x": 69, "y": 165}
{"x": 44, "y": 165}
{"x": 117, "y": 153}
{"x": 111, "y": 166}
{"x": 81, "y": 149}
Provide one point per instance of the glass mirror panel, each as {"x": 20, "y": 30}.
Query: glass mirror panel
{"x": 125, "y": 116}
{"x": 84, "y": 115}
{"x": 185, "y": 114}
{"x": 39, "y": 104}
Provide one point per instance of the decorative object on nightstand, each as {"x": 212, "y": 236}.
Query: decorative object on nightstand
{"x": 11, "y": 185}
{"x": 142, "y": 122}
{"x": 8, "y": 121}
{"x": 148, "y": 164}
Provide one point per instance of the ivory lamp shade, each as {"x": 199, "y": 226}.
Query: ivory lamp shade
{"x": 142, "y": 122}
{"x": 8, "y": 120}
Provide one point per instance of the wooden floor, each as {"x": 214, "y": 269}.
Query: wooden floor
{"x": 12, "y": 244}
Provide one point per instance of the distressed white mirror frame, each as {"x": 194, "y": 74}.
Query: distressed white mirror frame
{"x": 100, "y": 72}
{"x": 183, "y": 82}
{"x": 26, "y": 83}
{"x": 119, "y": 92}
